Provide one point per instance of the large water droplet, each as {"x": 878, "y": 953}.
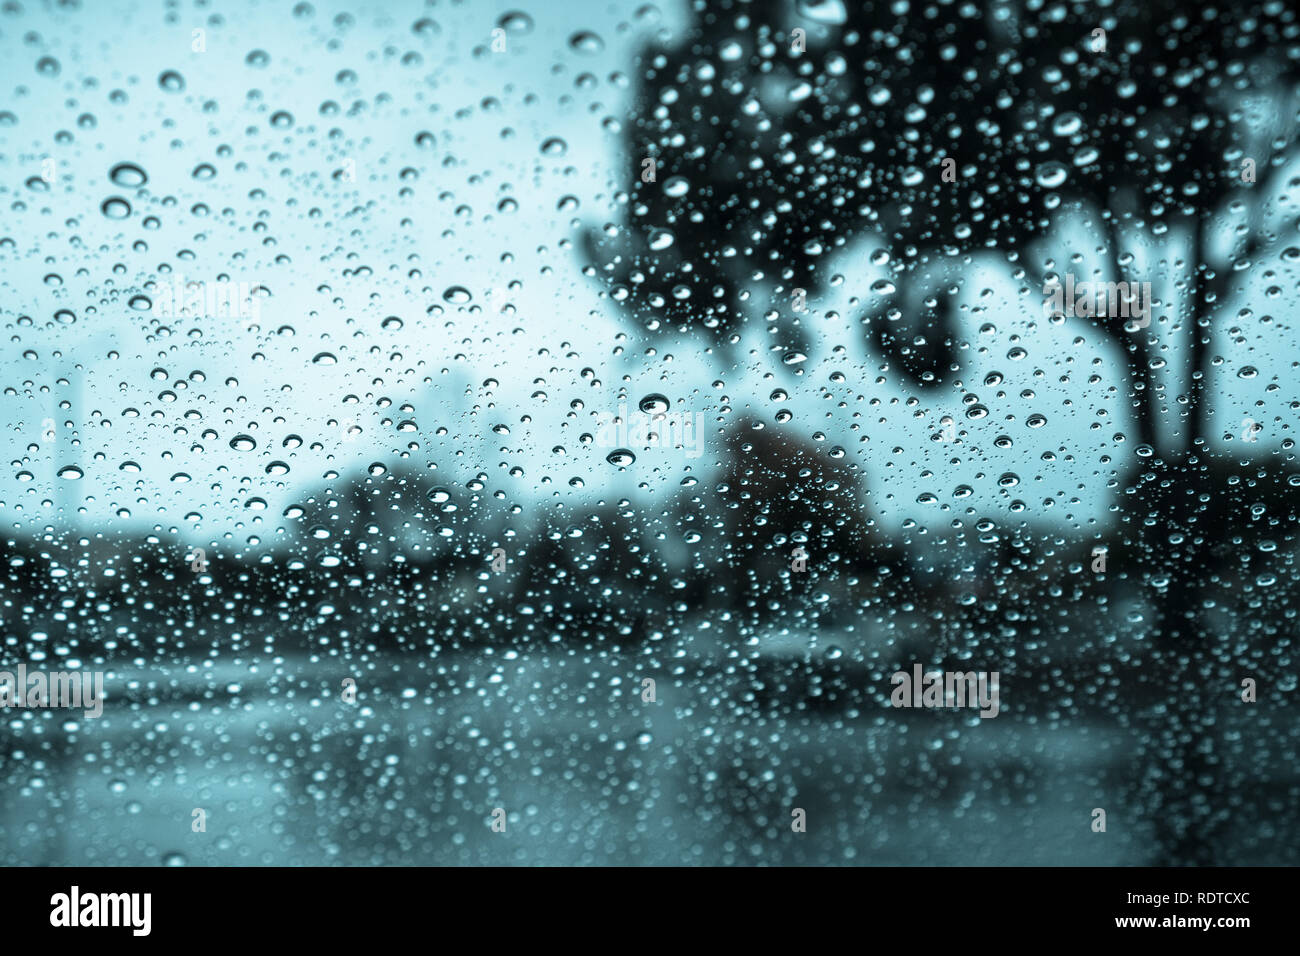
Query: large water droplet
{"x": 1051, "y": 175}
{"x": 127, "y": 175}
{"x": 654, "y": 404}
{"x": 823, "y": 11}
{"x": 622, "y": 457}
{"x": 115, "y": 207}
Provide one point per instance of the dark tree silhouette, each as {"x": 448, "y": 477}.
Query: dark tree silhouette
{"x": 953, "y": 128}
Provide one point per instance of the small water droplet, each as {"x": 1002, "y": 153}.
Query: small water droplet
{"x": 586, "y": 43}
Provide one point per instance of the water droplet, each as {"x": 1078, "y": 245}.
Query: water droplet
{"x": 115, "y": 207}
{"x": 823, "y": 11}
{"x": 654, "y": 404}
{"x": 661, "y": 239}
{"x": 1067, "y": 124}
{"x": 127, "y": 175}
{"x": 1051, "y": 175}
{"x": 676, "y": 186}
{"x": 586, "y": 43}
{"x": 516, "y": 22}
{"x": 622, "y": 457}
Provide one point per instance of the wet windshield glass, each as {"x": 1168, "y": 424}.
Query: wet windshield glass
{"x": 728, "y": 432}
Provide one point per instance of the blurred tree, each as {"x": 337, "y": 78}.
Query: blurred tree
{"x": 781, "y": 131}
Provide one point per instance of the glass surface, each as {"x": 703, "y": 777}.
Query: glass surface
{"x": 572, "y": 433}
